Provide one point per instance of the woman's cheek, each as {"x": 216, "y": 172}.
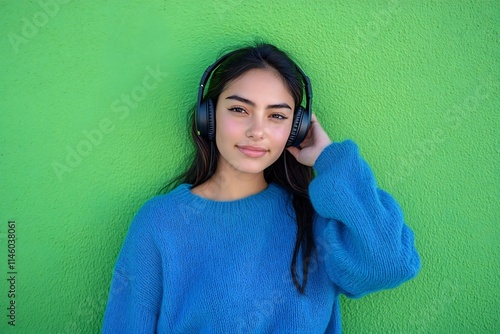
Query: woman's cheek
{"x": 281, "y": 134}
{"x": 229, "y": 127}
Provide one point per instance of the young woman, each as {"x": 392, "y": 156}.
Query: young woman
{"x": 250, "y": 242}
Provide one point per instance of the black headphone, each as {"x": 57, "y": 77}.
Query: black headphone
{"x": 205, "y": 115}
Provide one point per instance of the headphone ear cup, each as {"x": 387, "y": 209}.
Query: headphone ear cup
{"x": 211, "y": 120}
{"x": 300, "y": 127}
{"x": 201, "y": 119}
{"x": 297, "y": 120}
{"x": 205, "y": 120}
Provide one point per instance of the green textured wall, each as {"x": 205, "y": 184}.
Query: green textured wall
{"x": 93, "y": 102}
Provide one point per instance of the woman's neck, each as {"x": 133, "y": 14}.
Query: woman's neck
{"x": 229, "y": 186}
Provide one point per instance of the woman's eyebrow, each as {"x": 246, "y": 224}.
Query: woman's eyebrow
{"x": 247, "y": 101}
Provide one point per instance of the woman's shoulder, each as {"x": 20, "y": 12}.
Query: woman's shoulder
{"x": 180, "y": 193}
{"x": 160, "y": 207}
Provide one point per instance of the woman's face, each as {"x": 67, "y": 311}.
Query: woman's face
{"x": 254, "y": 118}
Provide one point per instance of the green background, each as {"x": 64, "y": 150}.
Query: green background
{"x": 87, "y": 135}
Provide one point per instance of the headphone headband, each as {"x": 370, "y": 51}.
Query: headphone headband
{"x": 206, "y": 76}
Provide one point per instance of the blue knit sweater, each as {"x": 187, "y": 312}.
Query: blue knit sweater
{"x": 193, "y": 265}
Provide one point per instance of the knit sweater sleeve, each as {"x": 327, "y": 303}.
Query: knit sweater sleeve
{"x": 136, "y": 287}
{"x": 367, "y": 245}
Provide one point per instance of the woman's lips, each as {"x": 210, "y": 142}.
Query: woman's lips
{"x": 252, "y": 151}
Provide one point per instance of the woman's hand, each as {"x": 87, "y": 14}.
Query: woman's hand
{"x": 312, "y": 146}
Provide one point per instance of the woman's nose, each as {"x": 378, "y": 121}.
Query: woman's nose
{"x": 255, "y": 128}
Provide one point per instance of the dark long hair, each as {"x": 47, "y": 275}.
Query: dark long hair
{"x": 286, "y": 171}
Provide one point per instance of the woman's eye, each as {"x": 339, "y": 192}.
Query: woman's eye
{"x": 279, "y": 116}
{"x": 237, "y": 110}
